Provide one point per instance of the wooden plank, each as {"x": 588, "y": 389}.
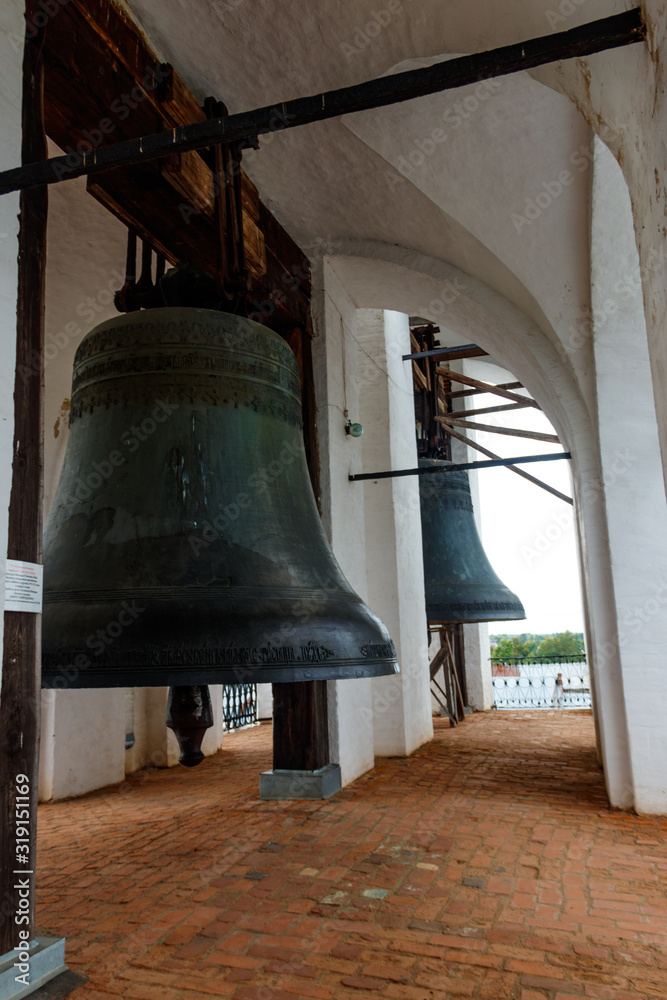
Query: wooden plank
{"x": 192, "y": 179}
{"x": 450, "y": 353}
{"x": 489, "y": 409}
{"x": 20, "y": 693}
{"x": 479, "y": 392}
{"x": 168, "y": 203}
{"x": 300, "y": 726}
{"x": 175, "y": 99}
{"x": 494, "y": 429}
{"x": 436, "y": 662}
{"x": 423, "y": 378}
{"x": 452, "y": 663}
{"x": 418, "y": 376}
{"x": 626, "y": 28}
{"x": 512, "y": 468}
{"x": 496, "y": 390}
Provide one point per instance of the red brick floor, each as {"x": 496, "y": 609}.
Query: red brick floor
{"x": 488, "y": 865}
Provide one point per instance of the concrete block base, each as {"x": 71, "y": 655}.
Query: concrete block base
{"x": 46, "y": 960}
{"x": 320, "y": 784}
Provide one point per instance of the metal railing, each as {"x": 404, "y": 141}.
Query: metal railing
{"x": 239, "y": 705}
{"x": 532, "y": 682}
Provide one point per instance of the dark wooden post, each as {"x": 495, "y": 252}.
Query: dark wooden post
{"x": 300, "y": 726}
{"x": 300, "y": 711}
{"x": 20, "y": 693}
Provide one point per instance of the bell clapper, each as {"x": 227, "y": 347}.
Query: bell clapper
{"x": 189, "y": 715}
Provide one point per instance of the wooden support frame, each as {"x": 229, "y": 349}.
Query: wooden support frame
{"x": 454, "y": 421}
{"x": 495, "y": 390}
{"x": 21, "y": 666}
{"x": 449, "y": 659}
{"x": 597, "y": 36}
{"x": 450, "y": 353}
{"x": 171, "y": 203}
{"x": 479, "y": 392}
{"x": 512, "y": 468}
{"x": 490, "y": 409}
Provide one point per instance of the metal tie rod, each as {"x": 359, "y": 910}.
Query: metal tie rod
{"x": 441, "y": 352}
{"x": 459, "y": 467}
{"x": 596, "y": 36}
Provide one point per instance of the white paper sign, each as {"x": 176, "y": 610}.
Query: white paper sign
{"x": 23, "y": 586}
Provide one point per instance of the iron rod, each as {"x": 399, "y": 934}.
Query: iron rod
{"x": 459, "y": 467}
{"x": 445, "y": 352}
{"x": 596, "y": 36}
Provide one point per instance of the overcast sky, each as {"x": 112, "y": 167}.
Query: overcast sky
{"x": 528, "y": 534}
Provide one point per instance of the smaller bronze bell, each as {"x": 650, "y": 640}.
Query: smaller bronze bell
{"x": 461, "y": 585}
{"x": 189, "y": 715}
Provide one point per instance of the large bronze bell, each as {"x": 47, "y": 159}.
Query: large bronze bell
{"x": 184, "y": 545}
{"x": 460, "y": 583}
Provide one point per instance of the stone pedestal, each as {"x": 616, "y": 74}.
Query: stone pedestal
{"x": 46, "y": 960}
{"x": 283, "y": 784}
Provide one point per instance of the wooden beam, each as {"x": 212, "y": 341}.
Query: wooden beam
{"x": 472, "y": 425}
{"x": 486, "y": 387}
{"x": 490, "y": 409}
{"x": 20, "y": 694}
{"x": 512, "y": 468}
{"x": 597, "y": 36}
{"x": 479, "y": 392}
{"x": 418, "y": 376}
{"x": 452, "y": 353}
{"x": 170, "y": 202}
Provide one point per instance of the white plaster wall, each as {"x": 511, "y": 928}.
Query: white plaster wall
{"x": 623, "y": 95}
{"x": 11, "y": 55}
{"x": 634, "y": 495}
{"x": 83, "y": 742}
{"x": 394, "y": 565}
{"x": 479, "y": 681}
{"x": 335, "y": 371}
{"x": 264, "y": 701}
{"x": 157, "y": 746}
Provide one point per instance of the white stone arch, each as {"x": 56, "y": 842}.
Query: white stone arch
{"x": 378, "y": 276}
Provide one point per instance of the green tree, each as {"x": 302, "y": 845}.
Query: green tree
{"x": 561, "y": 644}
{"x": 510, "y": 646}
